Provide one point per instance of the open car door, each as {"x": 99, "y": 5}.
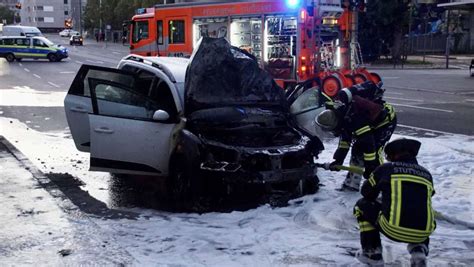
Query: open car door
{"x": 305, "y": 107}
{"x": 125, "y": 134}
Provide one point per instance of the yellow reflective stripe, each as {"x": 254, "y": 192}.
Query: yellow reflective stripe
{"x": 365, "y": 226}
{"x": 413, "y": 178}
{"x": 369, "y": 156}
{"x": 357, "y": 212}
{"x": 380, "y": 154}
{"x": 372, "y": 180}
{"x": 344, "y": 144}
{"x": 383, "y": 123}
{"x": 402, "y": 234}
{"x": 30, "y": 54}
{"x": 393, "y": 201}
{"x": 362, "y": 130}
{"x": 399, "y": 203}
{"x": 429, "y": 212}
{"x": 391, "y": 110}
{"x": 404, "y": 230}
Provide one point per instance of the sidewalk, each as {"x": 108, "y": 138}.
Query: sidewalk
{"x": 430, "y": 62}
{"x": 40, "y": 226}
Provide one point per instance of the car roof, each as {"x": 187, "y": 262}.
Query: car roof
{"x": 173, "y": 67}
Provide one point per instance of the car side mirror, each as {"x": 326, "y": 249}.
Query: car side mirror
{"x": 161, "y": 115}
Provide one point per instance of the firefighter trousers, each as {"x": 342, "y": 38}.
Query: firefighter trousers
{"x": 367, "y": 214}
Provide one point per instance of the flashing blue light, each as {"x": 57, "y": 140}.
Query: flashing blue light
{"x": 293, "y": 3}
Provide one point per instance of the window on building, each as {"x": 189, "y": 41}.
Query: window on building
{"x": 159, "y": 27}
{"x": 140, "y": 31}
{"x": 176, "y": 31}
{"x": 39, "y": 19}
{"x": 65, "y": 2}
{"x": 66, "y": 12}
{"x": 39, "y": 8}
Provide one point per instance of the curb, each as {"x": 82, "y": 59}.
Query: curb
{"x": 63, "y": 202}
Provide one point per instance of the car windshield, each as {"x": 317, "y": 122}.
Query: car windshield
{"x": 46, "y": 41}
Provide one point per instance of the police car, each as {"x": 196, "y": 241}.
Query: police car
{"x": 36, "y": 47}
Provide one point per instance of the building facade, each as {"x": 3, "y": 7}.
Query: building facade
{"x": 50, "y": 15}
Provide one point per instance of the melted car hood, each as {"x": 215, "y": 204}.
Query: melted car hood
{"x": 221, "y": 75}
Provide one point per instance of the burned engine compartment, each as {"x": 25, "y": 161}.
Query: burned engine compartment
{"x": 242, "y": 120}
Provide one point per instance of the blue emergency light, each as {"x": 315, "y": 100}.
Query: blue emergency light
{"x": 293, "y": 3}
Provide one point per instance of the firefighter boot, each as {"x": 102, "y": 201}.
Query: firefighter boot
{"x": 371, "y": 257}
{"x": 418, "y": 254}
{"x": 352, "y": 182}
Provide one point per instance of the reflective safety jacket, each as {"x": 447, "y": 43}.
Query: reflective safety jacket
{"x": 363, "y": 118}
{"x": 406, "y": 214}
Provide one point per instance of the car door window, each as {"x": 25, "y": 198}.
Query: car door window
{"x": 161, "y": 94}
{"x": 80, "y": 85}
{"x": 309, "y": 100}
{"x": 117, "y": 100}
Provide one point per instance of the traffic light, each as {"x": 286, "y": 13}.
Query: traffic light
{"x": 18, "y": 5}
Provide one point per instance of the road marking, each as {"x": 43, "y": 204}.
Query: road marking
{"x": 53, "y": 84}
{"x": 95, "y": 62}
{"x": 118, "y": 53}
{"x": 434, "y": 109}
{"x": 467, "y": 93}
{"x": 67, "y": 72}
{"x": 79, "y": 62}
{"x": 404, "y": 99}
{"x": 390, "y": 78}
{"x": 27, "y": 70}
{"x": 469, "y": 100}
{"x": 37, "y": 76}
{"x": 392, "y": 93}
{"x": 423, "y": 129}
{"x": 20, "y": 64}
{"x": 421, "y": 90}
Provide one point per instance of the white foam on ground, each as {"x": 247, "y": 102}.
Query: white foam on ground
{"x": 318, "y": 230}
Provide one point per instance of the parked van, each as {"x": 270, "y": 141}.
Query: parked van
{"x": 37, "y": 47}
{"x": 15, "y": 30}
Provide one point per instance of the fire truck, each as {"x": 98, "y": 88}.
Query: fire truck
{"x": 285, "y": 36}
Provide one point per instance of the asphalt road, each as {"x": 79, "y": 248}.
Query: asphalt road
{"x": 435, "y": 99}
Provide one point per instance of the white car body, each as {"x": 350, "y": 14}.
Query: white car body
{"x": 65, "y": 33}
{"x": 126, "y": 118}
{"x": 123, "y": 137}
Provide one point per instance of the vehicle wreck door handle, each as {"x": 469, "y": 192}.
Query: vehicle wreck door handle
{"x": 79, "y": 109}
{"x": 103, "y": 130}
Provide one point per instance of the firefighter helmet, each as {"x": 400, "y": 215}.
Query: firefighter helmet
{"x": 402, "y": 146}
{"x": 327, "y": 120}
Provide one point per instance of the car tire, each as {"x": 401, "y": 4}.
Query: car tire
{"x": 10, "y": 57}
{"x": 70, "y": 43}
{"x": 311, "y": 185}
{"x": 52, "y": 57}
{"x": 183, "y": 183}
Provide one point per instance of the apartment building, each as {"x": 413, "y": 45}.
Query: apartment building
{"x": 50, "y": 15}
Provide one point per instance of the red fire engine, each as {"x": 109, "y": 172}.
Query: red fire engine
{"x": 284, "y": 35}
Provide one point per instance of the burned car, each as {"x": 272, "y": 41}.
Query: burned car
{"x": 226, "y": 123}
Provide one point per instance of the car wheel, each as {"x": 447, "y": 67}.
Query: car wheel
{"x": 311, "y": 185}
{"x": 70, "y": 43}
{"x": 10, "y": 57}
{"x": 183, "y": 183}
{"x": 52, "y": 57}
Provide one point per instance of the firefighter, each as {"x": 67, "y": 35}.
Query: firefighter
{"x": 362, "y": 120}
{"x": 405, "y": 213}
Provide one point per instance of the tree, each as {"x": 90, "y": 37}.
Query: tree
{"x": 6, "y": 14}
{"x": 383, "y": 24}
